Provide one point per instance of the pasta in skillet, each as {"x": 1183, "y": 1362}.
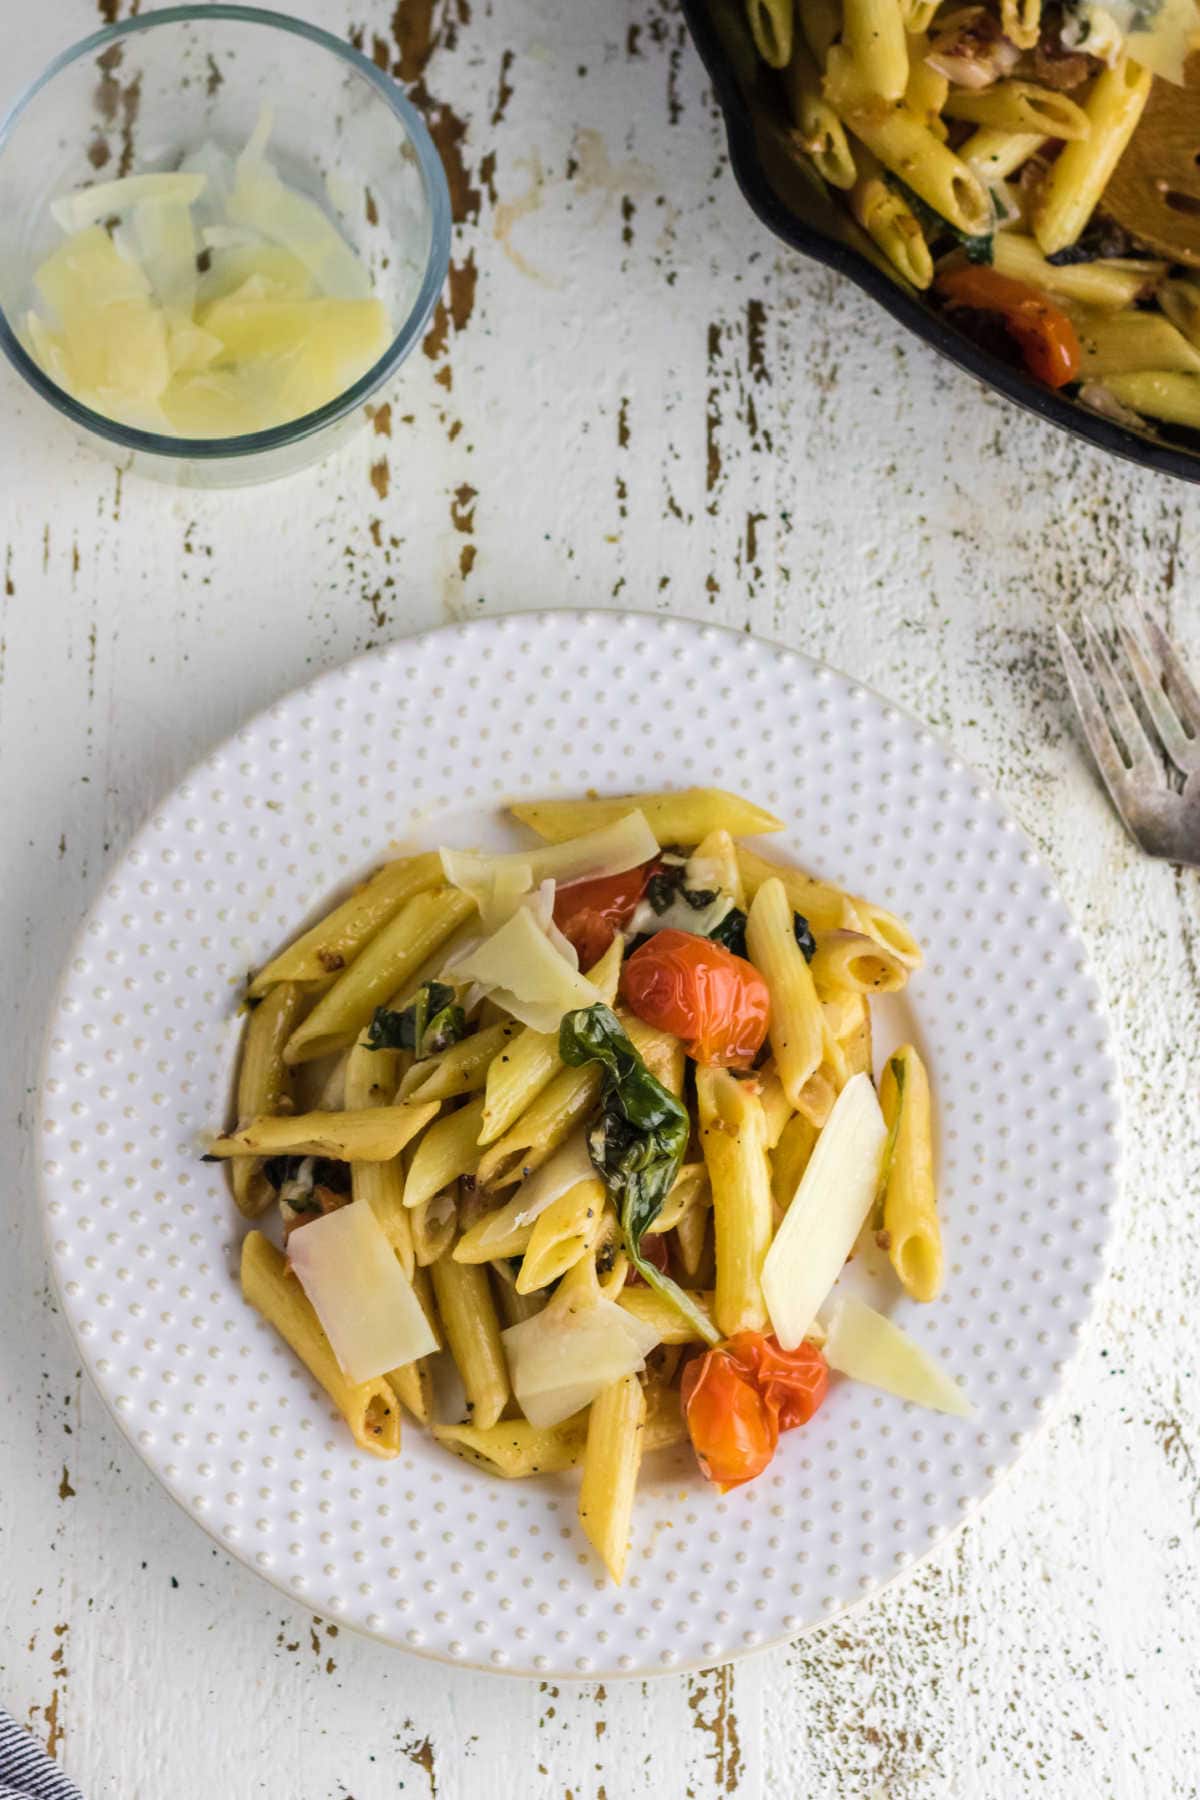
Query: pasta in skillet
{"x": 595, "y": 1124}
{"x": 972, "y": 141}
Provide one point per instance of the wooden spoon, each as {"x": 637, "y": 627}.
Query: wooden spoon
{"x": 1155, "y": 188}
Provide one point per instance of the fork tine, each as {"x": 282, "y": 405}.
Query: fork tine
{"x": 1183, "y": 751}
{"x": 1100, "y": 739}
{"x": 1140, "y": 750}
{"x": 1186, "y": 699}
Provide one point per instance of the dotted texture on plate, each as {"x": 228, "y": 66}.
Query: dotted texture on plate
{"x": 425, "y": 1551}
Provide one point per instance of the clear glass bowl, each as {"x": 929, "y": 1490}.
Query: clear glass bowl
{"x": 137, "y": 97}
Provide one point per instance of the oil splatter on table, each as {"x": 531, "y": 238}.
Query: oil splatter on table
{"x": 629, "y": 395}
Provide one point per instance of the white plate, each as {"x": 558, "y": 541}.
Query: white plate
{"x": 424, "y": 1551}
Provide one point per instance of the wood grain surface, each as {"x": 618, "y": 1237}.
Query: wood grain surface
{"x": 629, "y": 396}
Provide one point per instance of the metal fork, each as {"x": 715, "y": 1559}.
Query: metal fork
{"x": 1162, "y": 818}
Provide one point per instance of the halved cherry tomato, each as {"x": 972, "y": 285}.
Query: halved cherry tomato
{"x": 738, "y": 1398}
{"x": 732, "y": 1429}
{"x": 1043, "y": 332}
{"x": 697, "y": 990}
{"x": 589, "y": 913}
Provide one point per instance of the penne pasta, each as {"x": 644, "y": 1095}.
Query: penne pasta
{"x": 995, "y": 155}
{"x": 852, "y": 960}
{"x": 1020, "y": 106}
{"x": 683, "y": 817}
{"x": 421, "y": 926}
{"x": 1104, "y": 283}
{"x": 433, "y": 1223}
{"x": 1180, "y": 300}
{"x": 1075, "y": 181}
{"x": 611, "y": 1461}
{"x": 264, "y": 1086}
{"x": 821, "y": 25}
{"x": 1022, "y": 22}
{"x": 873, "y": 50}
{"x": 567, "y": 1230}
{"x": 519, "y": 1072}
{"x": 464, "y": 1303}
{"x": 661, "y": 1052}
{"x": 372, "y": 1136}
{"x": 647, "y": 1304}
{"x": 910, "y": 1220}
{"x": 825, "y": 907}
{"x": 1126, "y": 343}
{"x": 369, "y": 1407}
{"x": 732, "y": 1137}
{"x": 909, "y": 149}
{"x": 777, "y": 1108}
{"x": 370, "y": 1080}
{"x": 461, "y": 1069}
{"x": 889, "y": 220}
{"x": 797, "y": 1028}
{"x": 819, "y": 132}
{"x": 771, "y": 27}
{"x": 552, "y": 1117}
{"x": 334, "y": 942}
{"x": 1161, "y": 394}
{"x": 448, "y": 1151}
{"x": 789, "y": 1159}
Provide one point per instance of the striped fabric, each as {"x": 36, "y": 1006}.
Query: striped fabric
{"x": 26, "y": 1772}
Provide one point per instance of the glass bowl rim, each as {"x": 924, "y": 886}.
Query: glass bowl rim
{"x": 433, "y": 177}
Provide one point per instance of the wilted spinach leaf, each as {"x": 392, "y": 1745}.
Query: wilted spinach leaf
{"x": 638, "y": 1143}
{"x": 425, "y": 1026}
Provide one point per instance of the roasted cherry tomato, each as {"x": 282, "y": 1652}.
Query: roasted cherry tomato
{"x": 731, "y": 1426}
{"x": 589, "y": 913}
{"x": 739, "y": 1397}
{"x": 1043, "y": 332}
{"x": 792, "y": 1382}
{"x": 716, "y": 1002}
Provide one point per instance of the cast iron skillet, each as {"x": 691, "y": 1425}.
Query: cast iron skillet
{"x": 799, "y": 209}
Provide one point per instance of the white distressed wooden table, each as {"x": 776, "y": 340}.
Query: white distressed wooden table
{"x": 632, "y": 398}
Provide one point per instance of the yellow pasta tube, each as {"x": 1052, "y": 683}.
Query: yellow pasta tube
{"x": 797, "y": 1028}
{"x": 732, "y": 1138}
{"x": 875, "y": 49}
{"x": 412, "y": 1383}
{"x": 821, "y": 24}
{"x": 825, "y": 907}
{"x": 264, "y": 1085}
{"x": 910, "y": 1219}
{"x": 652, "y": 1308}
{"x": 714, "y": 864}
{"x": 682, "y": 817}
{"x": 448, "y": 1151}
{"x": 368, "y": 1407}
{"x": 1020, "y": 106}
{"x": 789, "y": 1159}
{"x": 325, "y": 950}
{"x": 370, "y": 1081}
{"x": 1126, "y": 342}
{"x": 918, "y": 15}
{"x": 1104, "y": 283}
{"x": 909, "y": 149}
{"x": 1021, "y": 21}
{"x": 542, "y": 1128}
{"x": 371, "y": 1136}
{"x": 472, "y": 1332}
{"x": 889, "y": 221}
{"x": 851, "y": 959}
{"x": 461, "y": 1069}
{"x": 771, "y": 28}
{"x": 925, "y": 94}
{"x": 662, "y": 1053}
{"x": 777, "y": 1108}
{"x": 513, "y": 1448}
{"x": 1180, "y": 300}
{"x": 819, "y": 131}
{"x": 995, "y": 155}
{"x": 854, "y": 1037}
{"x": 567, "y": 1230}
{"x": 1172, "y": 397}
{"x": 433, "y": 1223}
{"x": 610, "y": 1467}
{"x": 692, "y": 1233}
{"x": 1068, "y": 195}
{"x": 520, "y": 1071}
{"x": 379, "y": 971}
{"x": 512, "y": 1307}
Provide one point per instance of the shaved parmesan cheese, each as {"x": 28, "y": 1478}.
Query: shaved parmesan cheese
{"x": 680, "y": 915}
{"x": 826, "y": 1213}
{"x": 367, "y": 1308}
{"x": 87, "y": 206}
{"x": 260, "y": 199}
{"x": 1158, "y": 36}
{"x": 610, "y": 850}
{"x": 166, "y": 243}
{"x": 525, "y": 974}
{"x": 569, "y": 1165}
{"x": 570, "y": 1351}
{"x": 865, "y": 1345}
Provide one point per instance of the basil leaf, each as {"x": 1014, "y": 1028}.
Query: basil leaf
{"x": 804, "y": 936}
{"x": 638, "y": 1142}
{"x": 429, "y": 1023}
{"x": 731, "y": 932}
